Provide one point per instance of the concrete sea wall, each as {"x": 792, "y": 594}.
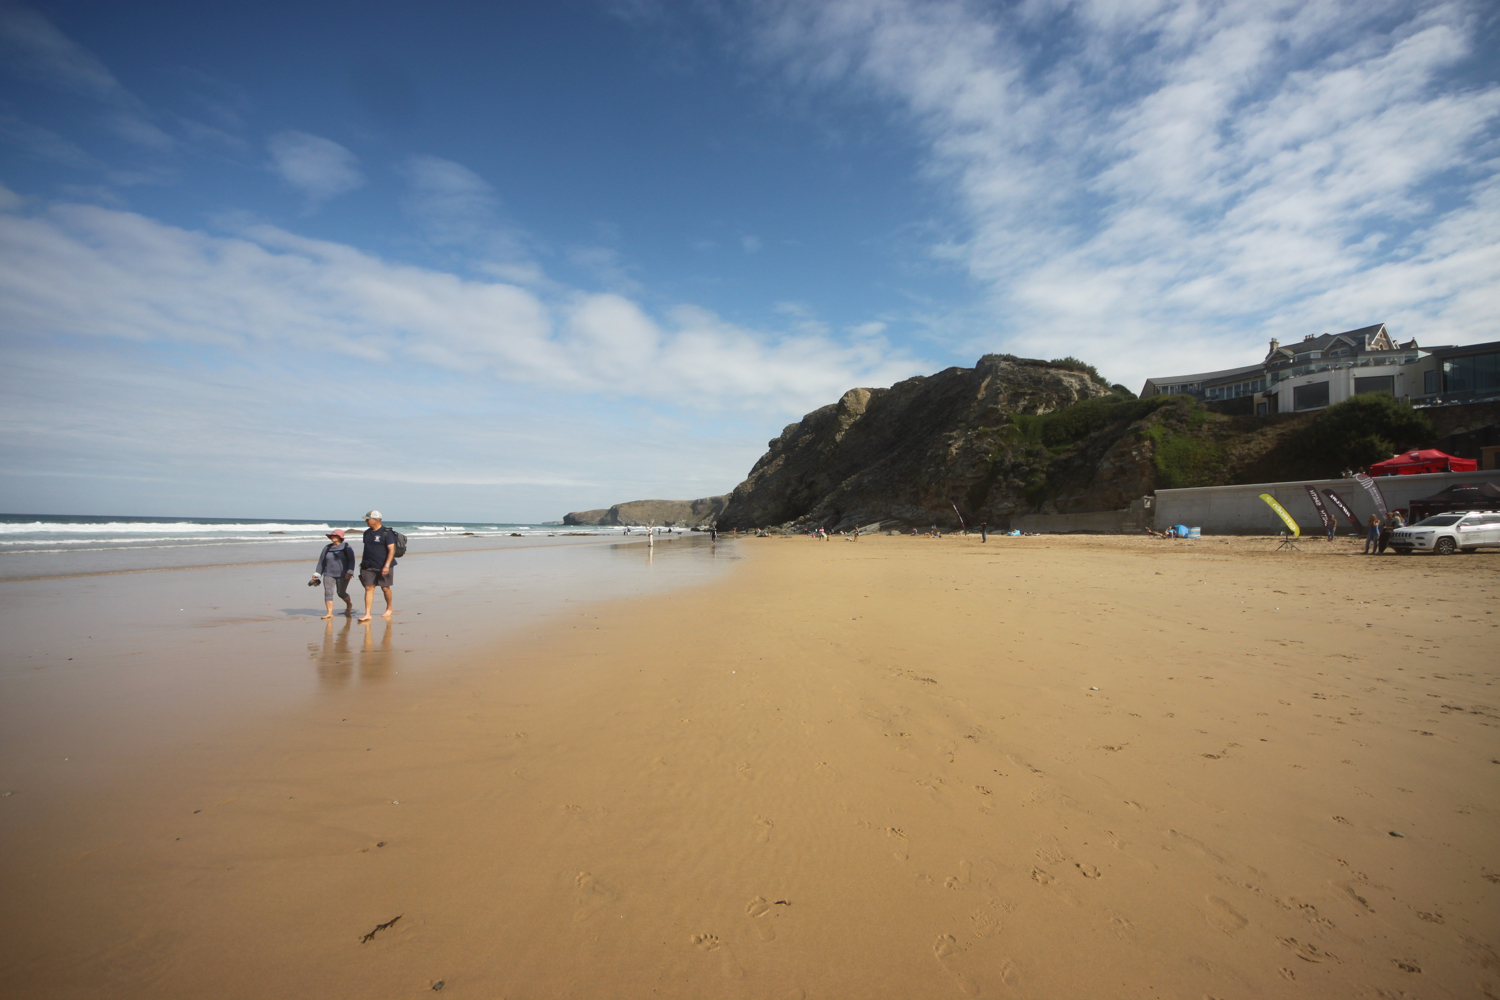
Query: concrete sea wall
{"x": 1130, "y": 521}
{"x": 1239, "y": 510}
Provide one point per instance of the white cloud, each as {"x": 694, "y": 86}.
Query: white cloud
{"x": 320, "y": 168}
{"x": 1180, "y": 180}
{"x": 86, "y": 271}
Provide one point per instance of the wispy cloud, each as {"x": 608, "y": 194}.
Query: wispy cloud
{"x": 320, "y": 168}
{"x": 1127, "y": 177}
{"x": 450, "y": 202}
{"x": 87, "y": 271}
{"x": 32, "y": 48}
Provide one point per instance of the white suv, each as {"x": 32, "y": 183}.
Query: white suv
{"x": 1445, "y": 534}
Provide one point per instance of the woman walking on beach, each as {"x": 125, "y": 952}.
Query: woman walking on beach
{"x": 336, "y": 567}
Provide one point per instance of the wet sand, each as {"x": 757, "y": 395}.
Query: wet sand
{"x": 1044, "y": 767}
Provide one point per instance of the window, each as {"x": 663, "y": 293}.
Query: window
{"x": 1375, "y": 383}
{"x": 1431, "y": 382}
{"x": 1310, "y": 397}
{"x": 1479, "y": 373}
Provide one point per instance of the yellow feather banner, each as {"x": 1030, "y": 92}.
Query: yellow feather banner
{"x": 1296, "y": 528}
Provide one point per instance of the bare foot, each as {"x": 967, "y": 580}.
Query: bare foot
{"x": 387, "y": 612}
{"x": 365, "y": 618}
{"x": 329, "y": 615}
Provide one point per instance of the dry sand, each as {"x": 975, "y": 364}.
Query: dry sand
{"x": 873, "y": 769}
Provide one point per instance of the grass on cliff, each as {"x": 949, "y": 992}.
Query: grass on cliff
{"x": 1072, "y": 424}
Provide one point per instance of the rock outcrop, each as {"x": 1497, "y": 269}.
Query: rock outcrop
{"x": 913, "y": 452}
{"x": 667, "y": 513}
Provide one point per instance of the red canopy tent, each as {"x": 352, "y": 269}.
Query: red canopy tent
{"x": 1410, "y": 463}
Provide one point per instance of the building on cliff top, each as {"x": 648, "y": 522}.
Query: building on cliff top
{"x": 1322, "y": 370}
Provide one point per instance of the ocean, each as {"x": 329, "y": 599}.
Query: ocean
{"x": 34, "y": 545}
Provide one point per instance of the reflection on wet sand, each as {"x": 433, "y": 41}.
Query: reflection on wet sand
{"x": 338, "y": 662}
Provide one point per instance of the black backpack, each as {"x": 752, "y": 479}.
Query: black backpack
{"x": 400, "y": 543}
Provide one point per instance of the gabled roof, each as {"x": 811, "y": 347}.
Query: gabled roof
{"x": 1366, "y": 338}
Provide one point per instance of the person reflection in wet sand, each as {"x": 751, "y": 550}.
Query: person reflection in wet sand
{"x": 375, "y": 660}
{"x": 335, "y": 660}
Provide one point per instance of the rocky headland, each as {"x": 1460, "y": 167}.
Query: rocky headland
{"x": 908, "y": 453}
{"x": 667, "y": 513}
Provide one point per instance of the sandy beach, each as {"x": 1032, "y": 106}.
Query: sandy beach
{"x": 1038, "y": 767}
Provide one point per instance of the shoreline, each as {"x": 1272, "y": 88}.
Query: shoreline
{"x": 898, "y": 767}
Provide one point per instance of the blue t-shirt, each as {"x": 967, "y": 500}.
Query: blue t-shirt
{"x": 378, "y": 542}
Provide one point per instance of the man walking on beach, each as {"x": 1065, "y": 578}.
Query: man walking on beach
{"x": 377, "y": 564}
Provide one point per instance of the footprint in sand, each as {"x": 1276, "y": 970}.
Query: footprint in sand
{"x": 1087, "y": 871}
{"x": 761, "y": 913}
{"x": 763, "y": 827}
{"x": 1307, "y": 951}
{"x": 965, "y": 872}
{"x": 1225, "y": 917}
{"x": 1123, "y": 928}
{"x": 1052, "y": 852}
{"x": 902, "y": 851}
{"x": 1041, "y": 878}
{"x": 710, "y": 944}
{"x": 946, "y": 951}
{"x": 985, "y": 922}
{"x": 590, "y": 896}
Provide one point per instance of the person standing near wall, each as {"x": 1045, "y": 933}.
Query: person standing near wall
{"x": 1372, "y": 535}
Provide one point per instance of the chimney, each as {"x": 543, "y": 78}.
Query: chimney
{"x": 1308, "y": 337}
{"x": 1274, "y": 344}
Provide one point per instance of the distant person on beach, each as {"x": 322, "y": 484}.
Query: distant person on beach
{"x": 984, "y": 531}
{"x": 377, "y": 564}
{"x": 1372, "y": 535}
{"x": 335, "y": 568}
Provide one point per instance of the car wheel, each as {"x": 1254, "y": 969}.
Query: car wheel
{"x": 1445, "y": 547}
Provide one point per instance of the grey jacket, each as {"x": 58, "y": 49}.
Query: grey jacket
{"x": 336, "y": 560}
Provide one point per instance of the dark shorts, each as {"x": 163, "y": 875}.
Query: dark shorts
{"x": 370, "y": 576}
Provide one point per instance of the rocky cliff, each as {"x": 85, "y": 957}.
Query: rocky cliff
{"x": 912, "y": 452}
{"x": 669, "y": 513}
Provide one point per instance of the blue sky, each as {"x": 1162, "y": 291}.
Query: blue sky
{"x": 500, "y": 261}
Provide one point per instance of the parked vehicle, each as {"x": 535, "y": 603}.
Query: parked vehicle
{"x": 1445, "y": 534}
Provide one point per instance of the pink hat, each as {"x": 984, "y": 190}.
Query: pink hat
{"x": 337, "y": 532}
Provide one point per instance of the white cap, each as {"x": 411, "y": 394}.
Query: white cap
{"x": 374, "y": 514}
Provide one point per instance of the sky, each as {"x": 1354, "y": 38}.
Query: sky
{"x": 494, "y": 262}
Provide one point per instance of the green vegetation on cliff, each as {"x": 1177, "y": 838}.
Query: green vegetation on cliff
{"x": 1359, "y": 432}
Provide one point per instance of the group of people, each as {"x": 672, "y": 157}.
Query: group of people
{"x": 1378, "y": 532}
{"x": 377, "y": 567}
